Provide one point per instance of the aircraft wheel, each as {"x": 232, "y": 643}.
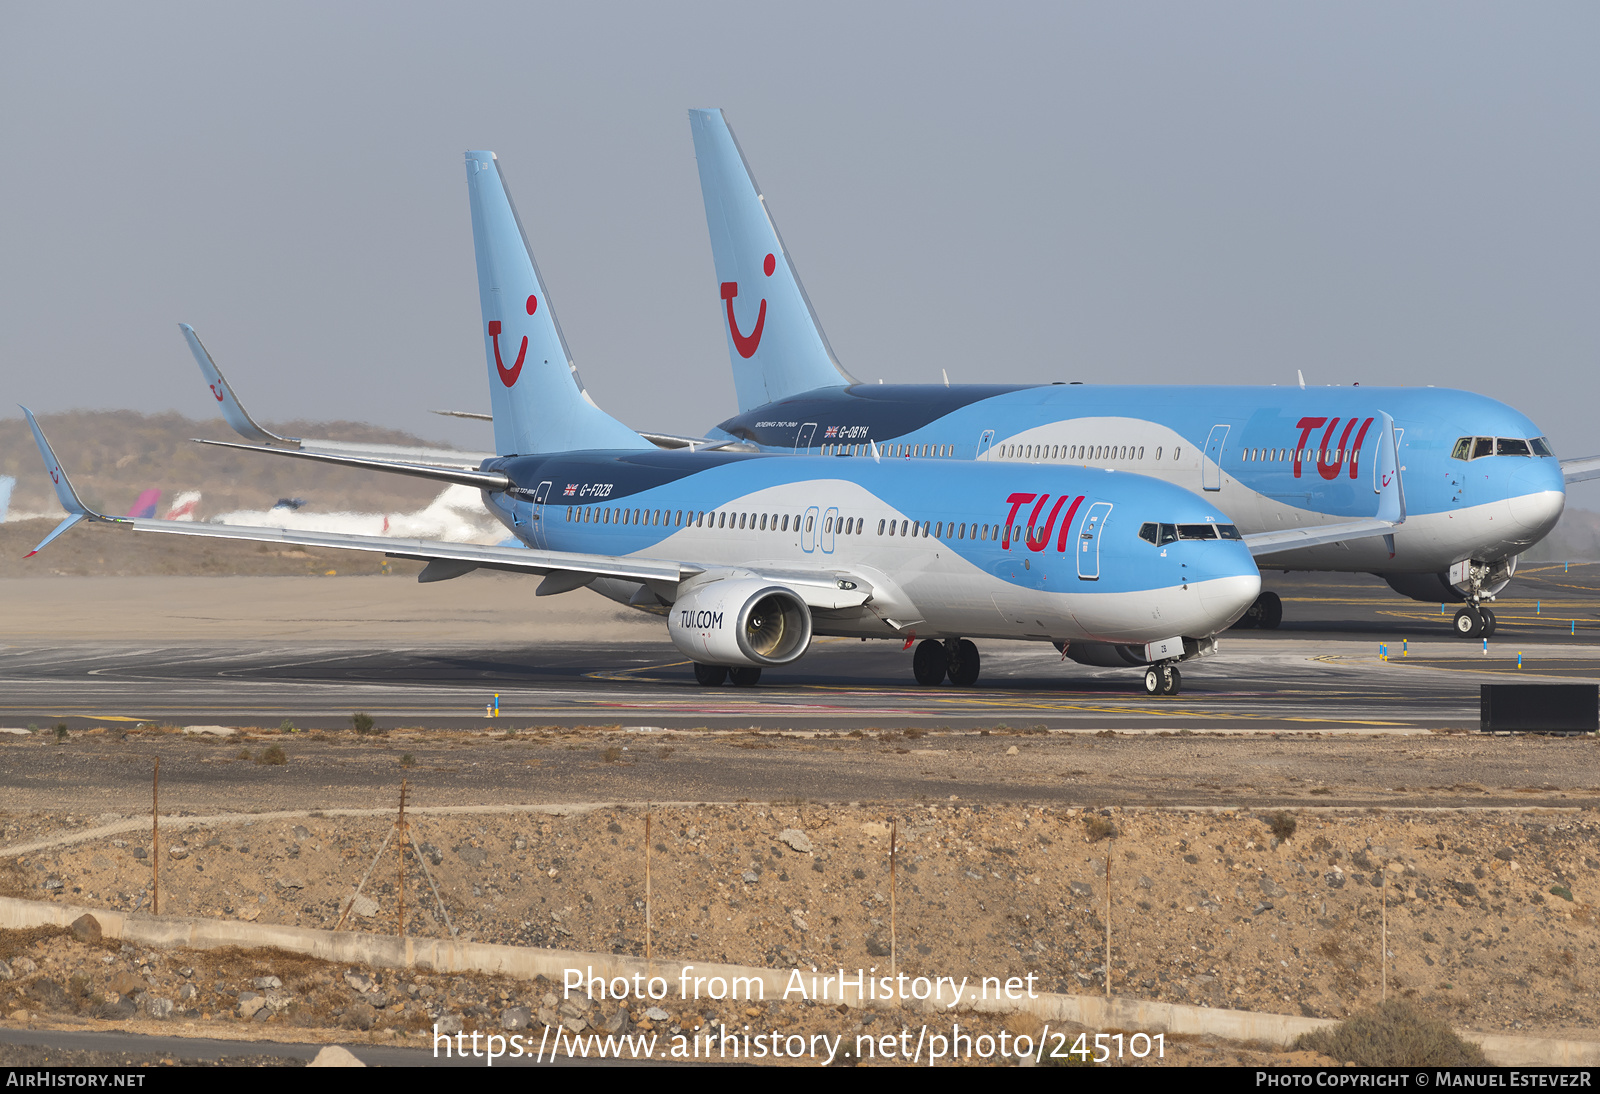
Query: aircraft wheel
{"x": 744, "y": 678}
{"x": 1271, "y": 611}
{"x": 1171, "y": 680}
{"x": 1249, "y": 620}
{"x": 963, "y": 667}
{"x": 1489, "y": 622}
{"x": 1152, "y": 681}
{"x": 930, "y": 662}
{"x": 1468, "y": 623}
{"x": 710, "y": 676}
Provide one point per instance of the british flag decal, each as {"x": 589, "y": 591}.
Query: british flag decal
{"x": 572, "y": 488}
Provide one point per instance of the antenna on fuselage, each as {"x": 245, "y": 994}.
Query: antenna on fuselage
{"x": 1302, "y": 376}
{"x": 946, "y": 375}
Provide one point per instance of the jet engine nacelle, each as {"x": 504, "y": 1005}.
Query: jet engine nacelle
{"x": 742, "y": 622}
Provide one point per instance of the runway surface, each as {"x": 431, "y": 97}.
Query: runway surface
{"x": 1325, "y": 669}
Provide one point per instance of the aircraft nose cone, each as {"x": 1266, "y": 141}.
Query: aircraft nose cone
{"x": 1536, "y": 501}
{"x": 1226, "y": 598}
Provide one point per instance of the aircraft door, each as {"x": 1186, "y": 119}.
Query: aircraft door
{"x": 808, "y": 536}
{"x": 1211, "y": 466}
{"x": 1089, "y": 533}
{"x": 830, "y": 525}
{"x": 984, "y": 443}
{"x": 802, "y": 440}
{"x": 540, "y": 538}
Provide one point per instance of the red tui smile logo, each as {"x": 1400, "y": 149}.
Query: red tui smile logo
{"x": 215, "y": 392}
{"x": 508, "y": 376}
{"x": 747, "y": 344}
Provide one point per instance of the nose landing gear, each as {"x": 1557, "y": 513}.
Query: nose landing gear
{"x": 1474, "y": 621}
{"x": 1163, "y": 679}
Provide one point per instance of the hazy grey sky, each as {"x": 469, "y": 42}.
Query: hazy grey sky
{"x": 1389, "y": 193}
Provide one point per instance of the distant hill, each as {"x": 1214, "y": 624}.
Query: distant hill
{"x": 114, "y": 455}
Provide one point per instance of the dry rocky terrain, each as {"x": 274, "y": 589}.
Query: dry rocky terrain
{"x": 1489, "y": 916}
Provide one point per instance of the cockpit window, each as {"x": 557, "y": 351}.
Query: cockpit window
{"x": 1471, "y": 448}
{"x": 1159, "y": 534}
{"x": 1228, "y": 531}
{"x": 1197, "y": 531}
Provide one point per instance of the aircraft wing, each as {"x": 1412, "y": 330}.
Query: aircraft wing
{"x": 1581, "y": 469}
{"x": 483, "y": 480}
{"x": 1390, "y": 515}
{"x": 1271, "y": 543}
{"x": 445, "y": 559}
{"x": 562, "y": 570}
{"x": 233, "y": 410}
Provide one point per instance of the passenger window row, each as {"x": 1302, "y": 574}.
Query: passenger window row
{"x": 782, "y": 522}
{"x": 891, "y": 451}
{"x": 1091, "y": 452}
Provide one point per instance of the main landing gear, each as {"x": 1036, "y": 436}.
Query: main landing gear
{"x": 955, "y": 658}
{"x": 1475, "y": 621}
{"x": 714, "y": 676}
{"x": 1163, "y": 679}
{"x": 1266, "y": 613}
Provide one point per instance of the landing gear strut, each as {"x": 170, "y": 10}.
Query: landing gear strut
{"x": 1162, "y": 679}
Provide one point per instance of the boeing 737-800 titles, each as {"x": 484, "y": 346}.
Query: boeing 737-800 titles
{"x": 750, "y": 555}
{"x": 1482, "y": 484}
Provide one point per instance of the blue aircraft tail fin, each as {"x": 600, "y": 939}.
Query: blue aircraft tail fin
{"x": 775, "y": 342}
{"x": 537, "y": 400}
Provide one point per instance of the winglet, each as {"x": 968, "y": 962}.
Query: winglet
{"x": 68, "y": 497}
{"x": 1386, "y": 476}
{"x": 232, "y": 409}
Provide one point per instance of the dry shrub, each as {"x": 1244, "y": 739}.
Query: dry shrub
{"x": 1282, "y": 825}
{"x": 611, "y": 755}
{"x": 272, "y": 755}
{"x": 1396, "y": 1034}
{"x": 1097, "y": 827}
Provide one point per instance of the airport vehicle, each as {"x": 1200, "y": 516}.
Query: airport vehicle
{"x": 749, "y": 555}
{"x": 1482, "y": 484}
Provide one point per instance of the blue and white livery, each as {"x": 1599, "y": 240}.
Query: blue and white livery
{"x": 750, "y": 555}
{"x": 1481, "y": 482}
